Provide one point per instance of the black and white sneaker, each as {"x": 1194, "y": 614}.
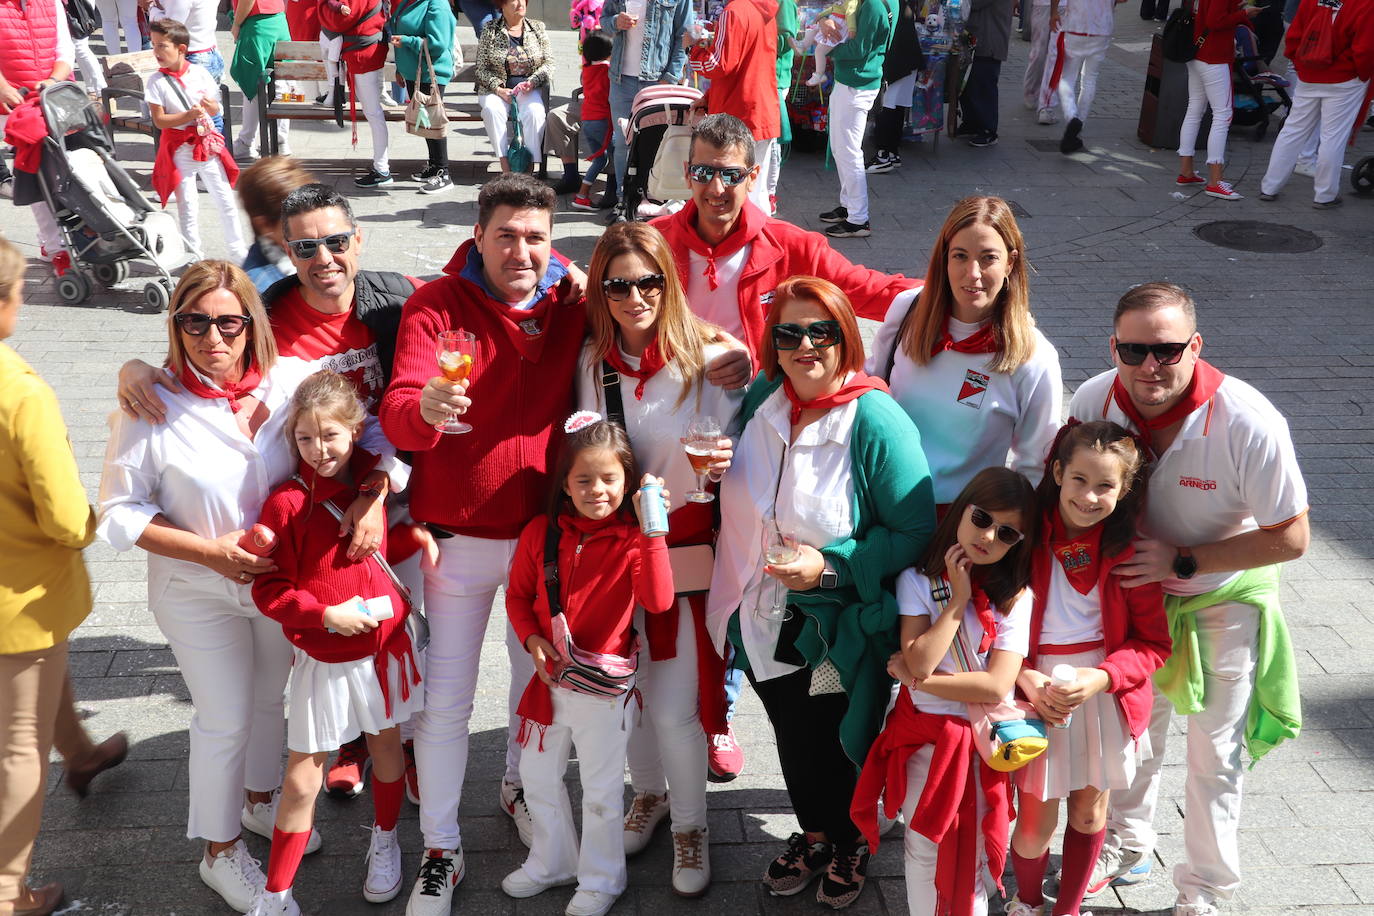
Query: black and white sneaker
{"x": 983, "y": 140}
{"x": 437, "y": 182}
{"x": 426, "y": 173}
{"x": 844, "y": 229}
{"x": 884, "y": 162}
{"x": 838, "y": 215}
{"x": 374, "y": 179}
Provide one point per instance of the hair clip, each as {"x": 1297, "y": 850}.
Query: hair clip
{"x": 580, "y": 420}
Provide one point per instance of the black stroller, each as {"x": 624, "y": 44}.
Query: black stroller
{"x": 1257, "y": 92}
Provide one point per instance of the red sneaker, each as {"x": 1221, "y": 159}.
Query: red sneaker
{"x": 1222, "y": 190}
{"x": 61, "y": 263}
{"x": 348, "y": 774}
{"x": 1194, "y": 178}
{"x": 724, "y": 756}
{"x": 412, "y": 777}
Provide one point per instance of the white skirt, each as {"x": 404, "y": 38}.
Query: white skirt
{"x": 331, "y": 703}
{"x": 1095, "y": 750}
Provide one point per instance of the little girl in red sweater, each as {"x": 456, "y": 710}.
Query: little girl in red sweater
{"x": 605, "y": 566}
{"x": 355, "y": 669}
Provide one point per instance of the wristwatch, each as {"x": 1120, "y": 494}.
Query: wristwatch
{"x": 1185, "y": 564}
{"x": 829, "y": 578}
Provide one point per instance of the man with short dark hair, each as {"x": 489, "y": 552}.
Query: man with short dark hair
{"x": 1227, "y": 505}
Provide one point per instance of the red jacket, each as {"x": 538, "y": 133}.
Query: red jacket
{"x": 1218, "y": 18}
{"x": 779, "y": 250}
{"x": 1134, "y": 631}
{"x": 1352, "y": 42}
{"x": 742, "y": 66}
{"x": 487, "y": 483}
{"x": 364, "y": 49}
{"x": 605, "y": 568}
{"x": 596, "y": 91}
{"x": 28, "y": 42}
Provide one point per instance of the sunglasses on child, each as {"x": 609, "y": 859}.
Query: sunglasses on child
{"x": 822, "y": 333}
{"x": 729, "y": 175}
{"x": 982, "y": 518}
{"x": 618, "y": 288}
{"x": 197, "y": 324}
{"x": 305, "y": 248}
{"x": 1166, "y": 354}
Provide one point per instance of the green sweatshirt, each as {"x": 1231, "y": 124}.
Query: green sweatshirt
{"x": 859, "y": 61}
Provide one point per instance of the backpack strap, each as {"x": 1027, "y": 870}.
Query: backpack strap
{"x": 551, "y": 539}
{"x": 615, "y": 402}
{"x": 959, "y": 650}
{"x": 897, "y": 341}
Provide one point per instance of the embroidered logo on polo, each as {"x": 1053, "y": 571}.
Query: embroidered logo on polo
{"x": 974, "y": 387}
{"x": 531, "y": 327}
{"x": 1074, "y": 557}
{"x": 1197, "y": 483}
{"x": 766, "y": 298}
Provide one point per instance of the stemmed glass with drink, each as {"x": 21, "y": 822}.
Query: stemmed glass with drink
{"x": 779, "y": 549}
{"x": 702, "y": 435}
{"x": 456, "y": 350}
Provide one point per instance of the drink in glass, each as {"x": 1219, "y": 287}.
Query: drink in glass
{"x": 456, "y": 351}
{"x": 779, "y": 548}
{"x": 702, "y": 434}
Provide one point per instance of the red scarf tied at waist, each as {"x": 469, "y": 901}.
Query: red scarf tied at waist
{"x": 649, "y": 363}
{"x": 984, "y": 340}
{"x": 402, "y": 651}
{"x": 947, "y": 811}
{"x": 1206, "y": 380}
{"x": 747, "y": 226}
{"x": 859, "y": 384}
{"x": 232, "y": 392}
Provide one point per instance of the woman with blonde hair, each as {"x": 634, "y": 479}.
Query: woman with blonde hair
{"x": 186, "y": 490}
{"x": 644, "y": 366}
{"x": 966, "y": 362}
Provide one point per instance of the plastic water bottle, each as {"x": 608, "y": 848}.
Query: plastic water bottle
{"x": 1064, "y": 676}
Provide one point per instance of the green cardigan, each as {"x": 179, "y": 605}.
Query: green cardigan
{"x": 431, "y": 21}
{"x": 859, "y": 60}
{"x": 855, "y": 624}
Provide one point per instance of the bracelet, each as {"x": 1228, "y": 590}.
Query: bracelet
{"x": 371, "y": 489}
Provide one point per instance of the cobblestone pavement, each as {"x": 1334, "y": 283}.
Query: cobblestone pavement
{"x": 1296, "y": 325}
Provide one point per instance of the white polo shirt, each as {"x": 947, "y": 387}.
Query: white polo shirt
{"x": 1088, "y": 17}
{"x": 1231, "y": 469}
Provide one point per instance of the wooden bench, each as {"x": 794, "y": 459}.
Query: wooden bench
{"x": 127, "y": 74}
{"x": 301, "y": 60}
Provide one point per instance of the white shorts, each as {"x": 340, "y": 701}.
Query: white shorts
{"x": 331, "y": 703}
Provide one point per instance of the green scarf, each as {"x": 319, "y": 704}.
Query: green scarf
{"x": 1275, "y": 712}
{"x": 258, "y": 37}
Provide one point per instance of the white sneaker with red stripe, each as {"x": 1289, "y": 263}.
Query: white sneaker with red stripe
{"x": 1222, "y": 190}
{"x": 513, "y": 803}
{"x": 441, "y": 871}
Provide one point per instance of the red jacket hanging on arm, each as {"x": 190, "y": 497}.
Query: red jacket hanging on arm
{"x": 742, "y": 66}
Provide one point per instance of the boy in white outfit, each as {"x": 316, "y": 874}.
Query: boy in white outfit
{"x": 1079, "y": 39}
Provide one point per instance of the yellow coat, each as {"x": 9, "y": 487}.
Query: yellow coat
{"x": 45, "y": 519}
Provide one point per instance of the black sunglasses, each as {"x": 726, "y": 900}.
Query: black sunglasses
{"x": 729, "y": 175}
{"x": 1133, "y": 354}
{"x": 305, "y": 248}
{"x": 618, "y": 288}
{"x": 822, "y": 333}
{"x": 982, "y": 518}
{"x": 197, "y": 324}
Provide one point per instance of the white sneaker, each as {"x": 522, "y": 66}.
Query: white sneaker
{"x": 590, "y": 903}
{"x": 513, "y": 803}
{"x": 261, "y": 817}
{"x": 1194, "y": 909}
{"x": 646, "y": 812}
{"x": 383, "y": 881}
{"x": 274, "y": 903}
{"x": 1308, "y": 169}
{"x": 691, "y": 862}
{"x": 1047, "y": 116}
{"x": 234, "y": 875}
{"x": 1015, "y": 907}
{"x": 519, "y": 884}
{"x": 441, "y": 870}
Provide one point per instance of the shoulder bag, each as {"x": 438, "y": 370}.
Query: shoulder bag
{"x": 425, "y": 114}
{"x": 597, "y": 674}
{"x": 1179, "y": 45}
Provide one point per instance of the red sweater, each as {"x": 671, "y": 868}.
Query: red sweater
{"x": 605, "y": 569}
{"x": 1135, "y": 632}
{"x": 596, "y": 91}
{"x": 1352, "y": 42}
{"x": 743, "y": 66}
{"x": 491, "y": 481}
{"x": 1218, "y": 18}
{"x": 779, "y": 250}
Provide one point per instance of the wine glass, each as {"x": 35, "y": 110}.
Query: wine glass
{"x": 456, "y": 351}
{"x": 702, "y": 434}
{"x": 779, "y": 548}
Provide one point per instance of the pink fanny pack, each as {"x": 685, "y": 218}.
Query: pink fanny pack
{"x": 598, "y": 674}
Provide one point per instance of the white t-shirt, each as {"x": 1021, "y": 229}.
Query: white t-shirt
{"x": 1231, "y": 469}
{"x": 1013, "y": 635}
{"x": 1070, "y": 617}
{"x": 1088, "y": 17}
{"x": 633, "y": 57}
{"x": 197, "y": 15}
{"x": 720, "y": 306}
{"x": 196, "y": 82}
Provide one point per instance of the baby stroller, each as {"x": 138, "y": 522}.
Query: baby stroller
{"x": 658, "y": 138}
{"x": 1256, "y": 91}
{"x": 104, "y": 220}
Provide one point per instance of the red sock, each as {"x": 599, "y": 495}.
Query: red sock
{"x": 386, "y": 801}
{"x": 287, "y": 850}
{"x": 1030, "y": 877}
{"x": 1080, "y": 855}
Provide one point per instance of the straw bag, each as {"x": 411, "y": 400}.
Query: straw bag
{"x": 425, "y": 114}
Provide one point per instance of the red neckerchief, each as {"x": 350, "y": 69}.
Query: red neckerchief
{"x": 750, "y": 222}
{"x": 177, "y": 74}
{"x": 984, "y": 340}
{"x": 859, "y": 383}
{"x": 986, "y": 618}
{"x": 244, "y": 386}
{"x": 1077, "y": 556}
{"x": 649, "y": 363}
{"x": 1206, "y": 380}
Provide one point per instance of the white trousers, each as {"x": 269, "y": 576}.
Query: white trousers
{"x": 921, "y": 854}
{"x": 211, "y": 175}
{"x": 1210, "y": 872}
{"x": 496, "y": 117}
{"x": 458, "y": 596}
{"x": 1036, "y": 61}
{"x": 235, "y": 662}
{"x": 1328, "y": 110}
{"x": 598, "y": 727}
{"x": 367, "y": 88}
{"x": 668, "y": 749}
{"x": 1083, "y": 57}
{"x": 848, "y": 117}
{"x": 248, "y": 129}
{"x": 88, "y": 64}
{"x": 116, "y": 13}
{"x": 763, "y": 158}
{"x": 1208, "y": 85}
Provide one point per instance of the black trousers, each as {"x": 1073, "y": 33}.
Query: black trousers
{"x": 1154, "y": 9}
{"x": 887, "y": 128}
{"x": 820, "y": 779}
{"x": 438, "y": 149}
{"x": 978, "y": 101}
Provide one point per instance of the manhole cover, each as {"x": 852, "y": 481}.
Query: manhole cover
{"x": 1044, "y": 146}
{"x": 1252, "y": 235}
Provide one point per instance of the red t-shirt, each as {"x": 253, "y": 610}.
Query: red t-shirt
{"x": 338, "y": 342}
{"x": 596, "y": 91}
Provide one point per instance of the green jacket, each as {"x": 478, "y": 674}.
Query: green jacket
{"x": 428, "y": 20}
{"x": 859, "y": 61}
{"x": 788, "y": 27}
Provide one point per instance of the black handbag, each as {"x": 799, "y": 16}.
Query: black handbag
{"x": 1179, "y": 45}
{"x": 82, "y": 18}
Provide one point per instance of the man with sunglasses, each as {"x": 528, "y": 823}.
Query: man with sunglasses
{"x": 1227, "y": 503}
{"x": 731, "y": 255}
